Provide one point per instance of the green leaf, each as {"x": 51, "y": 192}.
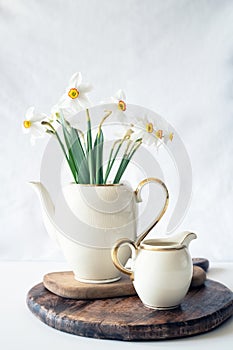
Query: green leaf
{"x": 98, "y": 149}
{"x": 126, "y": 159}
{"x": 123, "y": 165}
{"x": 111, "y": 160}
{"x": 75, "y": 152}
{"x": 89, "y": 149}
{"x": 79, "y": 157}
{"x": 89, "y": 132}
{"x": 69, "y": 161}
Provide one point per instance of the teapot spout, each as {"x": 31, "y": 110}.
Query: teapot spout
{"x": 47, "y": 206}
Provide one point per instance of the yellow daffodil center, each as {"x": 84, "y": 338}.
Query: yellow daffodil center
{"x": 73, "y": 93}
{"x": 171, "y": 135}
{"x": 159, "y": 134}
{"x": 121, "y": 105}
{"x": 149, "y": 127}
{"x": 27, "y": 124}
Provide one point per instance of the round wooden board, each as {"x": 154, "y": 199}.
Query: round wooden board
{"x": 126, "y": 318}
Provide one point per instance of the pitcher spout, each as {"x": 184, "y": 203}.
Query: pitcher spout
{"x": 187, "y": 238}
{"x": 182, "y": 238}
{"x": 47, "y": 207}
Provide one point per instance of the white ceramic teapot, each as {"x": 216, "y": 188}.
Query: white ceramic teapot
{"x": 161, "y": 269}
{"x": 88, "y": 219}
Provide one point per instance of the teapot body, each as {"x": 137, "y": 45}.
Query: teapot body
{"x": 90, "y": 220}
{"x": 87, "y": 220}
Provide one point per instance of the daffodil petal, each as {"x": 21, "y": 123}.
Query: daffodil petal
{"x": 25, "y": 130}
{"x": 30, "y": 112}
{"x": 37, "y": 129}
{"x": 38, "y": 117}
{"x": 84, "y": 100}
{"x": 63, "y": 102}
{"x": 75, "y": 80}
{"x": 120, "y": 95}
{"x": 84, "y": 88}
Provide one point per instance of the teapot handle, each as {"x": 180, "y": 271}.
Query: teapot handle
{"x": 139, "y": 199}
{"x": 116, "y": 261}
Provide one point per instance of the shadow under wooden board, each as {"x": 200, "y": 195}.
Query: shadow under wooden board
{"x": 126, "y": 318}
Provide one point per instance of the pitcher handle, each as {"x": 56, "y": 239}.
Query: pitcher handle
{"x": 116, "y": 261}
{"x": 139, "y": 199}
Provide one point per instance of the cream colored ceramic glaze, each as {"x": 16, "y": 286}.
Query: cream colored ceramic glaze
{"x": 89, "y": 264}
{"x": 161, "y": 269}
{"x": 104, "y": 214}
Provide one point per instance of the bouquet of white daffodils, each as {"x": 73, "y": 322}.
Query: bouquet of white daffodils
{"x": 83, "y": 150}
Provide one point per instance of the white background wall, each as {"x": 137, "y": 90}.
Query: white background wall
{"x": 174, "y": 57}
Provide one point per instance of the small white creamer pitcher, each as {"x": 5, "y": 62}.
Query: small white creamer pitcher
{"x": 161, "y": 269}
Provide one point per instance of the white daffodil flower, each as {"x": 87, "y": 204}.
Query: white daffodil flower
{"x": 168, "y": 135}
{"x": 119, "y": 105}
{"x": 146, "y": 129}
{"x": 32, "y": 124}
{"x": 75, "y": 97}
{"x": 152, "y": 132}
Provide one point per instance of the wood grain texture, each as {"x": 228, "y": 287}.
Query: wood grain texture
{"x": 125, "y": 318}
{"x": 63, "y": 284}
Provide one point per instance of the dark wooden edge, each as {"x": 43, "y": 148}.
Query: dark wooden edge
{"x": 201, "y": 262}
{"x": 129, "y": 332}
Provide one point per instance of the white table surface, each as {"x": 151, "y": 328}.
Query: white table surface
{"x": 20, "y": 329}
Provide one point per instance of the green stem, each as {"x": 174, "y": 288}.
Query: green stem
{"x": 110, "y": 161}
{"x": 89, "y": 148}
{"x": 98, "y": 151}
{"x": 89, "y": 134}
{"x": 134, "y": 149}
{"x": 121, "y": 169}
{"x": 79, "y": 156}
{"x": 126, "y": 159}
{"x": 83, "y": 139}
{"x": 68, "y": 142}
